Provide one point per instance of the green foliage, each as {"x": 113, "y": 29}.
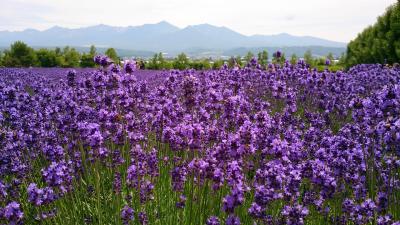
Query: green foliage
{"x": 320, "y": 61}
{"x": 200, "y": 64}
{"x": 279, "y": 60}
{"x": 58, "y": 51}
{"x": 46, "y": 57}
{"x": 379, "y": 43}
{"x": 158, "y": 62}
{"x": 71, "y": 57}
{"x": 20, "y": 55}
{"x": 87, "y": 58}
{"x": 1, "y": 58}
{"x": 92, "y": 50}
{"x": 294, "y": 59}
{"x": 232, "y": 62}
{"x": 112, "y": 54}
{"x": 217, "y": 64}
{"x": 330, "y": 57}
{"x": 239, "y": 60}
{"x": 181, "y": 62}
{"x": 248, "y": 57}
{"x": 263, "y": 58}
{"x": 308, "y": 58}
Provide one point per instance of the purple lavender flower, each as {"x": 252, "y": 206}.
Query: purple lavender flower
{"x": 58, "y": 175}
{"x": 127, "y": 214}
{"x": 382, "y": 201}
{"x": 102, "y": 60}
{"x": 182, "y": 202}
{"x": 46, "y": 215}
{"x": 97, "y": 59}
{"x": 234, "y": 199}
{"x": 132, "y": 178}
{"x": 129, "y": 66}
{"x": 257, "y": 211}
{"x": 327, "y": 62}
{"x": 385, "y": 220}
{"x": 146, "y": 189}
{"x": 3, "y": 191}
{"x": 143, "y": 219}
{"x": 278, "y": 54}
{"x": 71, "y": 77}
{"x": 232, "y": 220}
{"x": 13, "y": 213}
{"x": 40, "y": 196}
{"x": 213, "y": 220}
{"x": 117, "y": 182}
{"x": 295, "y": 214}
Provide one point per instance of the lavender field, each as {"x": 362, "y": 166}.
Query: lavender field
{"x": 281, "y": 145}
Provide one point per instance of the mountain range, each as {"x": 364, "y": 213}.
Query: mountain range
{"x": 163, "y": 37}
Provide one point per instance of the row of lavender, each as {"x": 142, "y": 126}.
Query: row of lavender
{"x": 286, "y": 145}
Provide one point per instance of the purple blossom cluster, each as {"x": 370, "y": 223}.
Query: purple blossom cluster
{"x": 286, "y": 143}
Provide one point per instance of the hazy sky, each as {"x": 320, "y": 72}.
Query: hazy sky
{"x": 338, "y": 20}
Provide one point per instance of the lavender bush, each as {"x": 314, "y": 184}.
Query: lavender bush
{"x": 286, "y": 145}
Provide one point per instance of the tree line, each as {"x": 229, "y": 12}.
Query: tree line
{"x": 21, "y": 55}
{"x": 158, "y": 61}
{"x": 379, "y": 43}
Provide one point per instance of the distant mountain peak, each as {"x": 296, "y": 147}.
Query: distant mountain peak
{"x": 163, "y": 22}
{"x": 284, "y": 34}
{"x": 30, "y": 30}
{"x": 56, "y": 28}
{"x": 162, "y": 36}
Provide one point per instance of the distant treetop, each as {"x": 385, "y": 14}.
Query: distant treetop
{"x": 379, "y": 43}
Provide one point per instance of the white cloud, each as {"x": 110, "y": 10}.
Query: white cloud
{"x": 339, "y": 20}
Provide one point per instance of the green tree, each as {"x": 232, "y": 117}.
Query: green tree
{"x": 20, "y": 55}
{"x": 330, "y": 57}
{"x": 231, "y": 62}
{"x": 181, "y": 62}
{"x": 342, "y": 59}
{"x": 153, "y": 62}
{"x": 248, "y": 56}
{"x": 321, "y": 61}
{"x": 112, "y": 54}
{"x": 1, "y": 58}
{"x": 168, "y": 65}
{"x": 239, "y": 60}
{"x": 92, "y": 50}
{"x": 58, "y": 51}
{"x": 308, "y": 58}
{"x": 293, "y": 59}
{"x": 153, "y": 65}
{"x": 46, "y": 57}
{"x": 87, "y": 58}
{"x": 161, "y": 60}
{"x": 206, "y": 64}
{"x": 71, "y": 57}
{"x": 283, "y": 58}
{"x": 379, "y": 43}
{"x": 263, "y": 57}
{"x": 217, "y": 64}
